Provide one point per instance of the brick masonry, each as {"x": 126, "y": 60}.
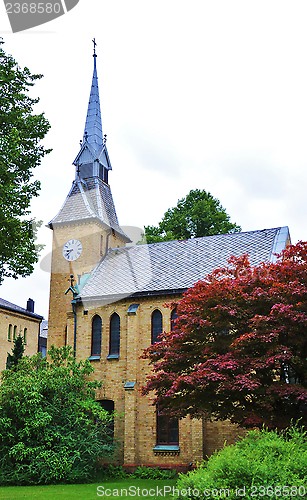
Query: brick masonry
{"x": 21, "y": 322}
{"x": 135, "y": 418}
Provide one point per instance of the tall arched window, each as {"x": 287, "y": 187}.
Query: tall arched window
{"x": 114, "y": 336}
{"x": 174, "y": 316}
{"x": 156, "y": 325}
{"x": 96, "y": 336}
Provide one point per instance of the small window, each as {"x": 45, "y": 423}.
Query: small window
{"x": 156, "y": 325}
{"x": 25, "y": 333}
{"x": 15, "y": 332}
{"x": 167, "y": 430}
{"x": 174, "y": 316}
{"x": 132, "y": 309}
{"x": 96, "y": 336}
{"x": 114, "y": 336}
{"x": 9, "y": 333}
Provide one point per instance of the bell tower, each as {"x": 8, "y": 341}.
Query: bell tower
{"x": 86, "y": 226}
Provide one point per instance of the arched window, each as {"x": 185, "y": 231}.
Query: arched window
{"x": 156, "y": 326}
{"x": 9, "y": 333}
{"x": 96, "y": 336}
{"x": 15, "y": 332}
{"x": 25, "y": 332}
{"x": 174, "y": 316}
{"x": 114, "y": 336}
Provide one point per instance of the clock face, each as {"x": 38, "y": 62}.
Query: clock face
{"x": 72, "y": 250}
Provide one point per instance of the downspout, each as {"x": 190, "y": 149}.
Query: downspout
{"x": 75, "y": 292}
{"x": 74, "y": 310}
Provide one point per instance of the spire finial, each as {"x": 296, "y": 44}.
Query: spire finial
{"x": 95, "y": 44}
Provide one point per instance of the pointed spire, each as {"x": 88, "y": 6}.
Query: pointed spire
{"x": 93, "y": 159}
{"x": 93, "y": 125}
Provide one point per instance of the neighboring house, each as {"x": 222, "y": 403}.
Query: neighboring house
{"x": 107, "y": 300}
{"x": 14, "y": 321}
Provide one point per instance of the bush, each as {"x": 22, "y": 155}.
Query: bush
{"x": 51, "y": 428}
{"x": 111, "y": 471}
{"x": 263, "y": 465}
{"x": 153, "y": 473}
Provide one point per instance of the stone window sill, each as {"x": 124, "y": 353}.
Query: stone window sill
{"x": 166, "y": 449}
{"x": 94, "y": 358}
{"x": 113, "y": 356}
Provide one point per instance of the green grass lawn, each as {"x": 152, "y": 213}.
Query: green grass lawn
{"x": 110, "y": 490}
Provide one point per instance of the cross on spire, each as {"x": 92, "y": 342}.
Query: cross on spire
{"x": 95, "y": 44}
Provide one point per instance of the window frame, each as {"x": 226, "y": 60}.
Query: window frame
{"x": 164, "y": 426}
{"x": 114, "y": 337}
{"x": 96, "y": 332}
{"x": 156, "y": 330}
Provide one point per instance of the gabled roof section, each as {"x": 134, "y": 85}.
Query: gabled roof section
{"x": 89, "y": 199}
{"x": 9, "y": 306}
{"x": 174, "y": 266}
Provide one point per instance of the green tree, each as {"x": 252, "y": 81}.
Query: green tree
{"x": 51, "y": 428}
{"x": 17, "y": 353}
{"x": 21, "y": 132}
{"x": 198, "y": 214}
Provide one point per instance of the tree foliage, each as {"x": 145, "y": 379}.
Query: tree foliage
{"x": 17, "y": 353}
{"x": 238, "y": 350}
{"x": 51, "y": 428}
{"x": 21, "y": 132}
{"x": 198, "y": 214}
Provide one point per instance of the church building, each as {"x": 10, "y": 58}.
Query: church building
{"x": 108, "y": 301}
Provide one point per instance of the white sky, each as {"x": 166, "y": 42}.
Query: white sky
{"x": 208, "y": 94}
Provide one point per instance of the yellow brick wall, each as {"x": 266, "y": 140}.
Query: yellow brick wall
{"x": 135, "y": 421}
{"x": 21, "y": 322}
{"x": 135, "y": 424}
{"x": 94, "y": 240}
{"x": 217, "y": 434}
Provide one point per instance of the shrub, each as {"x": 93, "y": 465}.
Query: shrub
{"x": 265, "y": 464}
{"x": 112, "y": 472}
{"x": 153, "y": 473}
{"x": 51, "y": 428}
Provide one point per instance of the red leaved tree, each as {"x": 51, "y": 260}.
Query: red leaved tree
{"x": 238, "y": 349}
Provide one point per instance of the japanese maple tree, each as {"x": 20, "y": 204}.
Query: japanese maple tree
{"x": 238, "y": 349}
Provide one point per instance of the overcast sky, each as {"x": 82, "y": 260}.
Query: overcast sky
{"x": 199, "y": 94}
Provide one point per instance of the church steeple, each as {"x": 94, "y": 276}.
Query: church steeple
{"x": 93, "y": 124}
{"x": 93, "y": 159}
{"x": 90, "y": 197}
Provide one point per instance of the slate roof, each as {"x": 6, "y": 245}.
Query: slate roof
{"x": 174, "y": 266}
{"x": 93, "y": 147}
{"x": 9, "y": 306}
{"x": 89, "y": 199}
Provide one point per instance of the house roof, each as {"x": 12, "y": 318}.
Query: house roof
{"x": 9, "y": 306}
{"x": 174, "y": 266}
